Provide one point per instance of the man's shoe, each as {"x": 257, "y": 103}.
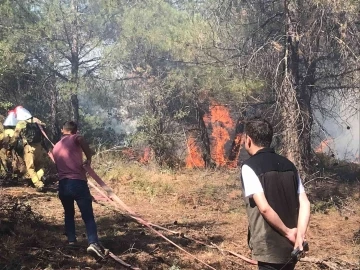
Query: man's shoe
{"x": 73, "y": 245}
{"x": 97, "y": 251}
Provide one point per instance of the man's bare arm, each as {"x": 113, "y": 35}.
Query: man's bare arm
{"x": 273, "y": 218}
{"x": 303, "y": 219}
{"x": 85, "y": 147}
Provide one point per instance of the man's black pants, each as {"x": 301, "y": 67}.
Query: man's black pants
{"x": 275, "y": 266}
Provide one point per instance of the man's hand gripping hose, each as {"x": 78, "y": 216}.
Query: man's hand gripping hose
{"x": 297, "y": 254}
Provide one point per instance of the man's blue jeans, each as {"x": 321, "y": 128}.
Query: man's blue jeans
{"x": 71, "y": 190}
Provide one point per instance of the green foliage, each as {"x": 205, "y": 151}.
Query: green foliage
{"x": 110, "y": 40}
{"x": 5, "y": 105}
{"x": 162, "y": 62}
{"x": 158, "y": 29}
{"x": 155, "y": 133}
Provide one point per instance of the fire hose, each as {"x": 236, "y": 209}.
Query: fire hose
{"x": 112, "y": 198}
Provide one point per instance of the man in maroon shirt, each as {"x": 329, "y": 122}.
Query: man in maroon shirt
{"x": 73, "y": 186}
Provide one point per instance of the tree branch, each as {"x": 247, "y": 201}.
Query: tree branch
{"x": 57, "y": 73}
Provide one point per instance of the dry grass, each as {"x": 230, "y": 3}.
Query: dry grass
{"x": 205, "y": 205}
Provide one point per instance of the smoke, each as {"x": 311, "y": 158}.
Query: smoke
{"x": 117, "y": 119}
{"x": 126, "y": 126}
{"x": 343, "y": 128}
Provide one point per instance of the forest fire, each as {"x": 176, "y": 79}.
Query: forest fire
{"x": 146, "y": 156}
{"x": 142, "y": 156}
{"x": 194, "y": 158}
{"x": 235, "y": 151}
{"x": 220, "y": 123}
{"x": 324, "y": 146}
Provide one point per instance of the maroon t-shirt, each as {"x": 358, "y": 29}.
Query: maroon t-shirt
{"x": 68, "y": 157}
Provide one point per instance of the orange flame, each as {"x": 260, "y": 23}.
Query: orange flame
{"x": 194, "y": 158}
{"x": 146, "y": 156}
{"x": 219, "y": 115}
{"x": 235, "y": 151}
{"x": 324, "y": 146}
{"x": 220, "y": 120}
{"x": 220, "y": 137}
{"x": 129, "y": 153}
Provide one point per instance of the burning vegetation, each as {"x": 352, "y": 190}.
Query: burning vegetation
{"x": 324, "y": 146}
{"x": 194, "y": 158}
{"x": 225, "y": 145}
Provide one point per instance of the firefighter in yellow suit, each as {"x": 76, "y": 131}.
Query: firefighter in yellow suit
{"x": 13, "y": 154}
{"x": 34, "y": 153}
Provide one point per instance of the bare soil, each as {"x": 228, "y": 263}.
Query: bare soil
{"x": 203, "y": 205}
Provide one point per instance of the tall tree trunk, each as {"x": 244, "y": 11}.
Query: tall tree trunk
{"x": 55, "y": 127}
{"x": 288, "y": 93}
{"x": 295, "y": 94}
{"x": 54, "y": 98}
{"x": 75, "y": 108}
{"x": 237, "y": 142}
{"x": 307, "y": 116}
{"x": 306, "y": 93}
{"x": 74, "y": 65}
{"x": 204, "y": 138}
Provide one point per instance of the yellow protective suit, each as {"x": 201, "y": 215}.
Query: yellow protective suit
{"x": 34, "y": 154}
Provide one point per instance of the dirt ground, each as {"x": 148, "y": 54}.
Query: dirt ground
{"x": 202, "y": 205}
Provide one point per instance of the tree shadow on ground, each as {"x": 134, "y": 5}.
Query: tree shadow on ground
{"x": 132, "y": 235}
{"x": 126, "y": 237}
{"x": 33, "y": 243}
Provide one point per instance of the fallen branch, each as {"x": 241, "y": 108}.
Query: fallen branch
{"x": 235, "y": 254}
{"x": 64, "y": 255}
{"x": 321, "y": 262}
{"x": 180, "y": 234}
{"x": 51, "y": 252}
{"x": 330, "y": 265}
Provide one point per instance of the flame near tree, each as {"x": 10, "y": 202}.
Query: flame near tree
{"x": 219, "y": 121}
{"x": 146, "y": 155}
{"x": 194, "y": 158}
{"x": 235, "y": 151}
{"x": 324, "y": 146}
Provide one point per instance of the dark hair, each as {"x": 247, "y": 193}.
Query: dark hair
{"x": 260, "y": 131}
{"x": 70, "y": 126}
